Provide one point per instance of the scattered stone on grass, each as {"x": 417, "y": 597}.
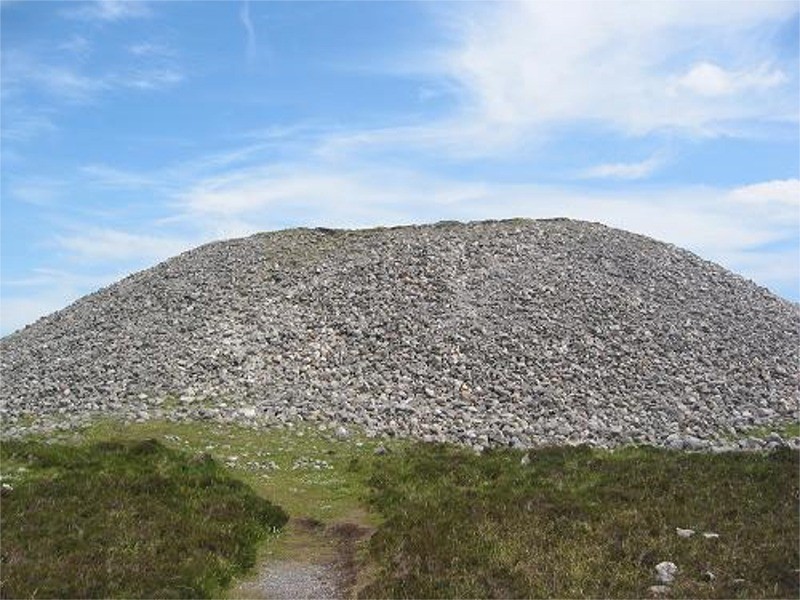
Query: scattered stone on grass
{"x": 666, "y": 571}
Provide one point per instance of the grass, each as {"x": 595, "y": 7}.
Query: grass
{"x": 787, "y": 430}
{"x": 125, "y": 519}
{"x": 577, "y": 523}
{"x": 572, "y": 522}
{"x": 302, "y": 468}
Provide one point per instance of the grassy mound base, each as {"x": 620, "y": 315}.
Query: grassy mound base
{"x": 573, "y": 522}
{"x": 125, "y": 519}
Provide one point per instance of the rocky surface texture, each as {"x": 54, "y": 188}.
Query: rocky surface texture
{"x": 493, "y": 333}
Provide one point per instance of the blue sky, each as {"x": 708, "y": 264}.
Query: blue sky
{"x": 132, "y": 131}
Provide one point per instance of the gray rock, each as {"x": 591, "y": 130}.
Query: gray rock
{"x": 666, "y": 572}
{"x": 776, "y": 438}
{"x": 692, "y": 443}
{"x": 684, "y": 533}
{"x": 522, "y": 333}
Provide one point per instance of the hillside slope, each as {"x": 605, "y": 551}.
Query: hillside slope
{"x": 489, "y": 333}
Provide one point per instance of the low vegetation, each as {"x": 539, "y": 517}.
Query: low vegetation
{"x": 125, "y": 519}
{"x": 104, "y": 513}
{"x": 577, "y": 523}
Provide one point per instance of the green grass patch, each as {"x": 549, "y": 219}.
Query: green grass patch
{"x": 574, "y": 522}
{"x": 124, "y": 519}
{"x": 308, "y": 471}
{"x": 786, "y": 430}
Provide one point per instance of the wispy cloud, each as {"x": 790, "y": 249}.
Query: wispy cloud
{"x": 250, "y": 32}
{"x": 109, "y": 177}
{"x": 149, "y": 78}
{"x": 151, "y": 49}
{"x": 710, "y": 80}
{"x": 515, "y": 75}
{"x": 74, "y": 83}
{"x": 778, "y": 192}
{"x": 47, "y": 277}
{"x": 518, "y": 70}
{"x": 623, "y": 170}
{"x": 108, "y": 10}
{"x": 36, "y": 191}
{"x": 534, "y": 63}
{"x": 711, "y": 221}
{"x": 24, "y": 124}
{"x": 106, "y": 245}
{"x": 23, "y": 72}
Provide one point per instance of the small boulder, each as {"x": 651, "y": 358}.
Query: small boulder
{"x": 666, "y": 571}
{"x": 684, "y": 533}
{"x": 674, "y": 441}
{"x": 691, "y": 442}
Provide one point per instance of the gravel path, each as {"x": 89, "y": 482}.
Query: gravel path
{"x": 514, "y": 333}
{"x": 285, "y": 580}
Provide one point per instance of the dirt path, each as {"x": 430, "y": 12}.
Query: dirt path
{"x": 315, "y": 561}
{"x": 289, "y": 579}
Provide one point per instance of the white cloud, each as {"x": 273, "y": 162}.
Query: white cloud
{"x": 101, "y": 246}
{"x": 66, "y": 82}
{"x": 708, "y": 79}
{"x": 303, "y": 195}
{"x": 532, "y": 63}
{"x": 707, "y": 220}
{"x": 105, "y": 176}
{"x": 44, "y": 276}
{"x": 775, "y": 269}
{"x": 517, "y": 71}
{"x": 151, "y": 49}
{"x": 109, "y": 10}
{"x": 458, "y": 137}
{"x": 149, "y": 78}
{"x": 247, "y": 23}
{"x": 634, "y": 170}
{"x": 74, "y": 83}
{"x": 36, "y": 191}
{"x": 775, "y": 192}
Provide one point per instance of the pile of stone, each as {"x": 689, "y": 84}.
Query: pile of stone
{"x": 518, "y": 333}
